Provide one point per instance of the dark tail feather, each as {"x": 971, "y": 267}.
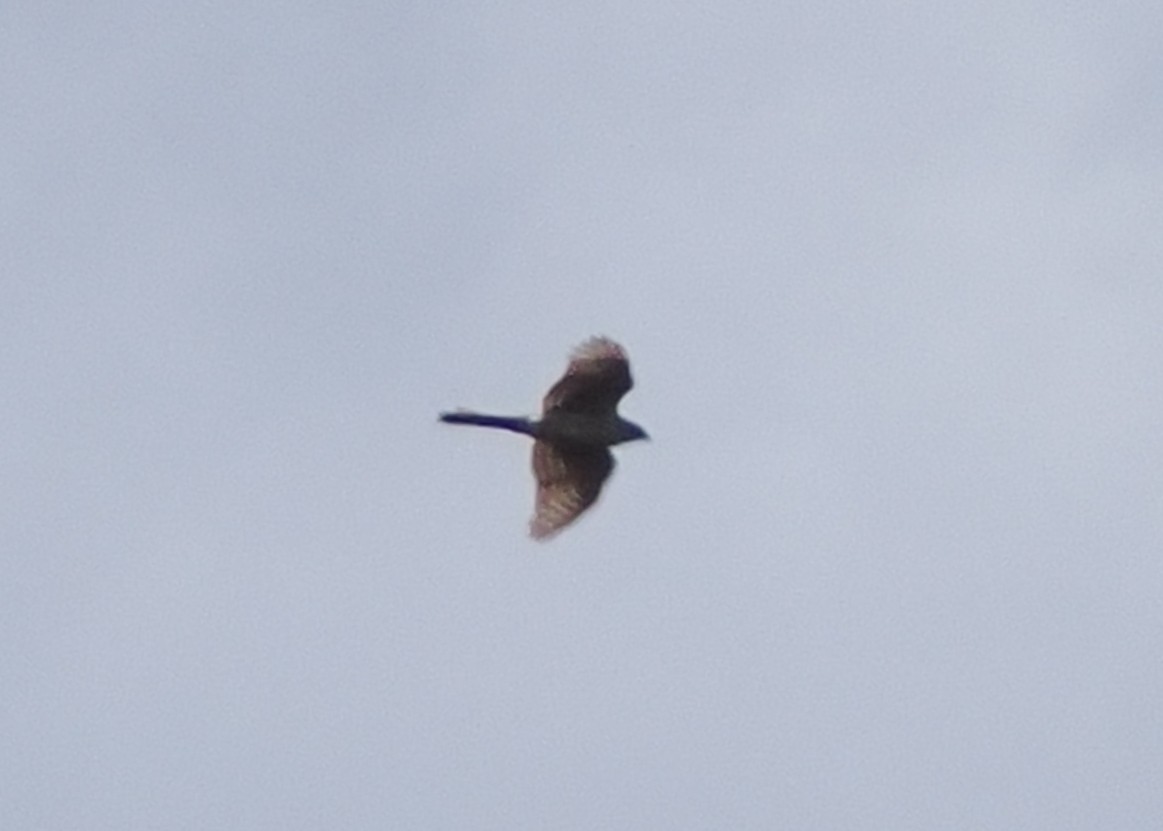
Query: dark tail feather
{"x": 516, "y": 425}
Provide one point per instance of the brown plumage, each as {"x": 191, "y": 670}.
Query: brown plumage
{"x": 597, "y": 377}
{"x": 579, "y": 422}
{"x": 568, "y": 482}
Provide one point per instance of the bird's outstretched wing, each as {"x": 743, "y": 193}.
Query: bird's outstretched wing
{"x": 596, "y": 379}
{"x": 568, "y": 482}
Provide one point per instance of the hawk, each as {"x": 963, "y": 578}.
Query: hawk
{"x": 579, "y": 423}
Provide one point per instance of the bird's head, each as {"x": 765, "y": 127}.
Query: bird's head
{"x": 629, "y": 431}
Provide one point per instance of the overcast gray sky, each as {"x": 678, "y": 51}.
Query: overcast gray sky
{"x": 891, "y": 278}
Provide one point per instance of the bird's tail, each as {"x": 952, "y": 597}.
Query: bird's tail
{"x": 513, "y": 424}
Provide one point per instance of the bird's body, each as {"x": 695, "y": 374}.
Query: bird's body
{"x": 579, "y": 423}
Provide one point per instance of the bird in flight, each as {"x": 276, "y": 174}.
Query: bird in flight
{"x": 579, "y": 423}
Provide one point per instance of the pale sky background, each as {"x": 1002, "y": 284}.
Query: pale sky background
{"x": 891, "y": 278}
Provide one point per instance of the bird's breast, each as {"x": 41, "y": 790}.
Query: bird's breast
{"x": 580, "y": 429}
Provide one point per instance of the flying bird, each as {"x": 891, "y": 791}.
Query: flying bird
{"x": 579, "y": 423}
